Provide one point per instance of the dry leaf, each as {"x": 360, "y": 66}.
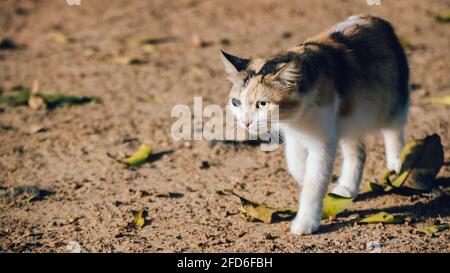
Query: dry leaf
{"x": 154, "y": 99}
{"x": 381, "y": 217}
{"x": 139, "y": 220}
{"x": 437, "y": 100}
{"x": 333, "y": 205}
{"x": 197, "y": 247}
{"x": 125, "y": 60}
{"x": 60, "y": 38}
{"x": 421, "y": 162}
{"x": 253, "y": 211}
{"x": 196, "y": 69}
{"x": 149, "y": 48}
{"x": 140, "y": 156}
{"x": 73, "y": 219}
{"x": 90, "y": 51}
{"x": 432, "y": 230}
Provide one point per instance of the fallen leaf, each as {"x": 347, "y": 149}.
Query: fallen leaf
{"x": 421, "y": 161}
{"x": 432, "y": 230}
{"x": 224, "y": 41}
{"x": 20, "y": 96}
{"x": 405, "y": 43}
{"x": 196, "y": 69}
{"x": 15, "y": 98}
{"x": 140, "y": 156}
{"x": 385, "y": 185}
{"x": 154, "y": 99}
{"x": 73, "y": 219}
{"x": 139, "y": 220}
{"x": 437, "y": 100}
{"x": 125, "y": 60}
{"x": 443, "y": 17}
{"x": 197, "y": 247}
{"x": 90, "y": 51}
{"x": 60, "y": 38}
{"x": 57, "y": 100}
{"x": 333, "y": 205}
{"x": 149, "y": 48}
{"x": 381, "y": 217}
{"x": 253, "y": 211}
{"x": 169, "y": 195}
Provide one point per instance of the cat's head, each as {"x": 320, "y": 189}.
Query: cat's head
{"x": 261, "y": 87}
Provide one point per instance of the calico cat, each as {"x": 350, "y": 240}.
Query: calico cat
{"x": 332, "y": 89}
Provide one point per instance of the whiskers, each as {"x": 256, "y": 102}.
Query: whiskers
{"x": 270, "y": 133}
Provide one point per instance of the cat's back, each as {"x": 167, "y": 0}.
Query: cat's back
{"x": 365, "y": 38}
{"x": 366, "y": 62}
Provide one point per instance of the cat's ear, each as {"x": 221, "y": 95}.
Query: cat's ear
{"x": 233, "y": 64}
{"x": 288, "y": 75}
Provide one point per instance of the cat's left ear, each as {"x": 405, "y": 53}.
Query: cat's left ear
{"x": 289, "y": 74}
{"x": 233, "y": 64}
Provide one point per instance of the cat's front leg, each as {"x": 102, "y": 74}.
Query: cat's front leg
{"x": 319, "y": 166}
{"x": 296, "y": 155}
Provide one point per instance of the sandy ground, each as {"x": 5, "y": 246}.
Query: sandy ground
{"x": 72, "y": 160}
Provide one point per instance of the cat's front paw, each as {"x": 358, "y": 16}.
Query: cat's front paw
{"x": 345, "y": 192}
{"x": 304, "y": 226}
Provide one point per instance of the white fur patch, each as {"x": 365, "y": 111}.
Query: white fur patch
{"x": 351, "y": 22}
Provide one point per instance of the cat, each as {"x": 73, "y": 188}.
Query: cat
{"x": 330, "y": 91}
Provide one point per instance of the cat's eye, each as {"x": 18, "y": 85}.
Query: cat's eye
{"x": 235, "y": 102}
{"x": 261, "y": 104}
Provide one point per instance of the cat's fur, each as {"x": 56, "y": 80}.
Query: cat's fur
{"x": 331, "y": 90}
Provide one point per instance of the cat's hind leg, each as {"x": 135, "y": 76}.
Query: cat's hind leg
{"x": 393, "y": 142}
{"x": 354, "y": 157}
{"x": 393, "y": 135}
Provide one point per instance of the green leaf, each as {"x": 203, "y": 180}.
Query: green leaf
{"x": 405, "y": 43}
{"x": 20, "y": 96}
{"x": 140, "y": 156}
{"x": 432, "y": 230}
{"x": 381, "y": 217}
{"x": 334, "y": 204}
{"x": 57, "y": 100}
{"x": 443, "y": 17}
{"x": 15, "y": 97}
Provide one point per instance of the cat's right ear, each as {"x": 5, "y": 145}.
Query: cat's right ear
{"x": 233, "y": 64}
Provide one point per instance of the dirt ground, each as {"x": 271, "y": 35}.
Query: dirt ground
{"x": 73, "y": 159}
